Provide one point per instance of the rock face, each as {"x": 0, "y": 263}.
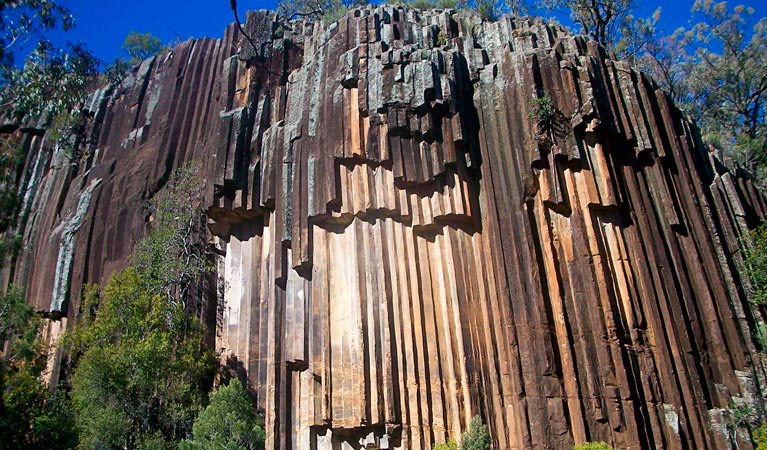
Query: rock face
{"x": 421, "y": 218}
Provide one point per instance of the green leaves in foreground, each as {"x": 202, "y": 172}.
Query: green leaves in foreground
{"x": 228, "y": 422}
{"x": 31, "y": 416}
{"x": 144, "y": 370}
{"x": 476, "y": 437}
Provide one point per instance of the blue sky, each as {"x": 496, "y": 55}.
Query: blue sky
{"x": 103, "y": 24}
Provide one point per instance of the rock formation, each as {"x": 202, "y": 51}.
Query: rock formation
{"x": 421, "y": 218}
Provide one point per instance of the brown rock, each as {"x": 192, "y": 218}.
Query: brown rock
{"x": 400, "y": 253}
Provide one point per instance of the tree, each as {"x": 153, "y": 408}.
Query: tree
{"x": 600, "y": 19}
{"x": 728, "y": 82}
{"x": 31, "y": 415}
{"x": 715, "y": 73}
{"x": 174, "y": 254}
{"x": 611, "y": 23}
{"x": 115, "y": 72}
{"x": 328, "y": 11}
{"x": 23, "y": 23}
{"x": 760, "y": 437}
{"x": 140, "y": 46}
{"x": 476, "y": 437}
{"x": 228, "y": 422}
{"x": 142, "y": 372}
{"x": 667, "y": 60}
{"x": 141, "y": 366}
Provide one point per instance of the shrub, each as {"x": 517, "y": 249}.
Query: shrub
{"x": 228, "y": 422}
{"x": 593, "y": 446}
{"x": 760, "y": 437}
{"x": 756, "y": 266}
{"x": 449, "y": 445}
{"x": 476, "y": 437}
{"x": 542, "y": 112}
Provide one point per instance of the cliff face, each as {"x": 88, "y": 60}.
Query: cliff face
{"x": 406, "y": 239}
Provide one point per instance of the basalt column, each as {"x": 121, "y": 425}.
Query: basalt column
{"x": 419, "y": 218}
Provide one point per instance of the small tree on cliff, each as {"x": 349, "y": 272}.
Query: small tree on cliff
{"x": 611, "y": 23}
{"x": 140, "y": 46}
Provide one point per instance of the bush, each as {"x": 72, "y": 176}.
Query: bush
{"x": 756, "y": 266}
{"x": 449, "y": 445}
{"x": 542, "y": 112}
{"x": 760, "y": 437}
{"x": 593, "y": 446}
{"x": 31, "y": 416}
{"x": 476, "y": 437}
{"x": 228, "y": 422}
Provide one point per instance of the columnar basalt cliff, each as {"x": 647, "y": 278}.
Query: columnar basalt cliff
{"x": 404, "y": 241}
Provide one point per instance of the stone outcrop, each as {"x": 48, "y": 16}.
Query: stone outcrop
{"x": 408, "y": 236}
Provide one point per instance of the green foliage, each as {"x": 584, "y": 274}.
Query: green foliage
{"x": 543, "y": 112}
{"x": 715, "y": 72}
{"x": 19, "y": 331}
{"x": 228, "y": 422}
{"x": 490, "y": 10}
{"x": 487, "y": 10}
{"x": 172, "y": 257}
{"x": 23, "y": 23}
{"x": 756, "y": 265}
{"x": 611, "y": 23}
{"x": 31, "y": 416}
{"x": 68, "y": 130}
{"x": 760, "y": 437}
{"x": 476, "y": 437}
{"x": 11, "y": 157}
{"x": 140, "y": 46}
{"x": 52, "y": 81}
{"x": 593, "y": 446}
{"x": 600, "y": 19}
{"x": 422, "y": 4}
{"x": 449, "y": 445}
{"x": 635, "y": 36}
{"x": 738, "y": 415}
{"x": 727, "y": 82}
{"x": 142, "y": 369}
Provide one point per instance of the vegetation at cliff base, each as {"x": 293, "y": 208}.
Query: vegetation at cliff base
{"x": 139, "y": 369}
{"x": 142, "y": 370}
{"x": 476, "y": 437}
{"x": 228, "y": 422}
{"x": 593, "y": 446}
{"x": 449, "y": 445}
{"x": 31, "y": 416}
